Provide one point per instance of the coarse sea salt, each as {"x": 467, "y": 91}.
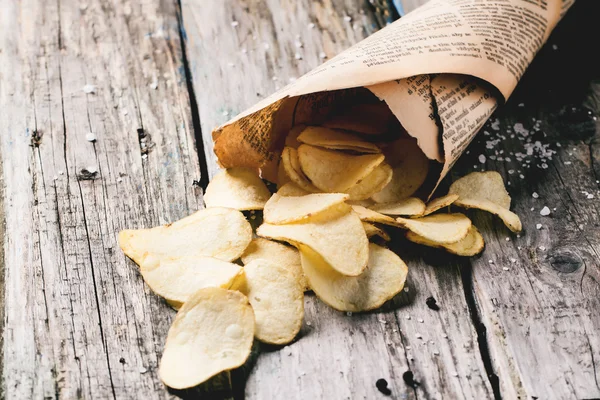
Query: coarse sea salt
{"x": 545, "y": 211}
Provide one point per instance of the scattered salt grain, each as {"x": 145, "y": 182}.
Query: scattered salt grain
{"x": 143, "y": 370}
{"x": 311, "y": 25}
{"x": 513, "y": 260}
{"x": 506, "y": 268}
{"x": 590, "y": 196}
{"x": 511, "y": 171}
{"x": 90, "y": 137}
{"x": 482, "y": 158}
{"x": 420, "y": 320}
{"x": 491, "y": 261}
{"x": 545, "y": 211}
{"x": 507, "y": 239}
{"x": 567, "y": 162}
{"x": 542, "y": 248}
{"x": 55, "y": 178}
{"x": 418, "y": 336}
{"x": 349, "y": 313}
{"x": 535, "y": 195}
{"x": 436, "y": 353}
{"x": 298, "y": 56}
{"x": 119, "y": 179}
{"x": 554, "y": 47}
{"x": 234, "y": 23}
{"x": 89, "y": 89}
{"x": 347, "y": 18}
{"x": 322, "y": 55}
{"x": 407, "y": 317}
{"x": 532, "y": 208}
{"x": 444, "y": 336}
{"x": 538, "y": 226}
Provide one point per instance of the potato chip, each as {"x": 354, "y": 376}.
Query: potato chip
{"x": 277, "y": 300}
{"x": 410, "y": 206}
{"x": 363, "y": 203}
{"x": 223, "y": 233}
{"x": 291, "y": 189}
{"x": 284, "y": 210}
{"x": 410, "y": 167}
{"x": 439, "y": 203}
{"x": 335, "y": 140}
{"x": 291, "y": 140}
{"x": 212, "y": 332}
{"x": 178, "y": 278}
{"x": 471, "y": 245}
{"x": 338, "y": 236}
{"x": 334, "y": 171}
{"x": 292, "y": 168}
{"x": 510, "y": 219}
{"x": 372, "y": 183}
{"x": 486, "y": 191}
{"x": 486, "y": 185}
{"x": 383, "y": 278}
{"x": 368, "y": 215}
{"x": 370, "y": 119}
{"x": 239, "y": 188}
{"x": 373, "y": 230}
{"x": 278, "y": 253}
{"x": 439, "y": 228}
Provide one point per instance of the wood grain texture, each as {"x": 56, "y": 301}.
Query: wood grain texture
{"x": 241, "y": 51}
{"x": 79, "y": 321}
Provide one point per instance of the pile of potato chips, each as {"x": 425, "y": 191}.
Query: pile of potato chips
{"x": 336, "y": 190}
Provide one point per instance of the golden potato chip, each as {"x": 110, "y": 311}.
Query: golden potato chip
{"x": 383, "y": 278}
{"x": 486, "y": 191}
{"x": 439, "y": 228}
{"x": 212, "y": 332}
{"x": 373, "y": 230}
{"x": 292, "y": 168}
{"x": 177, "y": 278}
{"x": 410, "y": 167}
{"x": 370, "y": 119}
{"x": 410, "y": 206}
{"x": 470, "y": 245}
{"x": 277, "y": 300}
{"x": 282, "y": 176}
{"x": 334, "y": 171}
{"x": 335, "y": 140}
{"x": 337, "y": 235}
{"x": 239, "y": 188}
{"x": 486, "y": 185}
{"x": 440, "y": 203}
{"x": 363, "y": 203}
{"x": 284, "y": 210}
{"x": 278, "y": 253}
{"x": 372, "y": 183}
{"x": 291, "y": 189}
{"x": 368, "y": 215}
{"x": 291, "y": 140}
{"x": 223, "y": 233}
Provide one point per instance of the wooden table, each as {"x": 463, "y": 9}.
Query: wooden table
{"x": 520, "y": 321}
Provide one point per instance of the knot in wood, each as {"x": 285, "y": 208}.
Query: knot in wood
{"x": 565, "y": 260}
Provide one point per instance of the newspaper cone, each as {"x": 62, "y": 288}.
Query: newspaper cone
{"x": 441, "y": 69}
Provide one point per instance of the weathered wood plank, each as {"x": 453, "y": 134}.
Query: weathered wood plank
{"x": 241, "y": 51}
{"x": 543, "y": 314}
{"x": 79, "y": 321}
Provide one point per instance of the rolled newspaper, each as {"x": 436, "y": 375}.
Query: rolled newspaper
{"x": 441, "y": 69}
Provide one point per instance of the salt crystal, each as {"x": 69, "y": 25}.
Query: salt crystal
{"x": 545, "y": 211}
{"x": 567, "y": 162}
{"x": 92, "y": 169}
{"x": 308, "y": 323}
{"x": 55, "y": 178}
{"x": 532, "y": 208}
{"x": 119, "y": 179}
{"x": 454, "y": 374}
{"x": 347, "y": 18}
{"x": 581, "y": 226}
{"x": 535, "y": 195}
{"x": 538, "y": 226}
{"x": 513, "y": 260}
{"x": 420, "y": 320}
{"x": 143, "y": 370}
{"x": 521, "y": 105}
{"x": 436, "y": 353}
{"x": 542, "y": 248}
{"x": 322, "y": 55}
{"x": 311, "y": 25}
{"x": 266, "y": 46}
{"x": 507, "y": 239}
{"x": 89, "y": 88}
{"x": 225, "y": 113}
{"x": 298, "y": 56}
{"x": 61, "y": 172}
{"x": 90, "y": 137}
{"x": 521, "y": 176}
{"x": 407, "y": 347}
{"x": 444, "y": 336}
{"x": 506, "y": 268}
{"x": 349, "y": 313}
{"x": 407, "y": 317}
{"x": 418, "y": 336}
{"x": 511, "y": 171}
{"x": 274, "y": 78}
{"x": 554, "y": 209}
{"x": 491, "y": 261}
{"x": 519, "y": 247}
{"x": 507, "y": 159}
{"x": 554, "y": 47}
{"x": 154, "y": 85}
{"x": 482, "y": 158}
{"x": 234, "y": 23}
{"x": 590, "y": 196}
